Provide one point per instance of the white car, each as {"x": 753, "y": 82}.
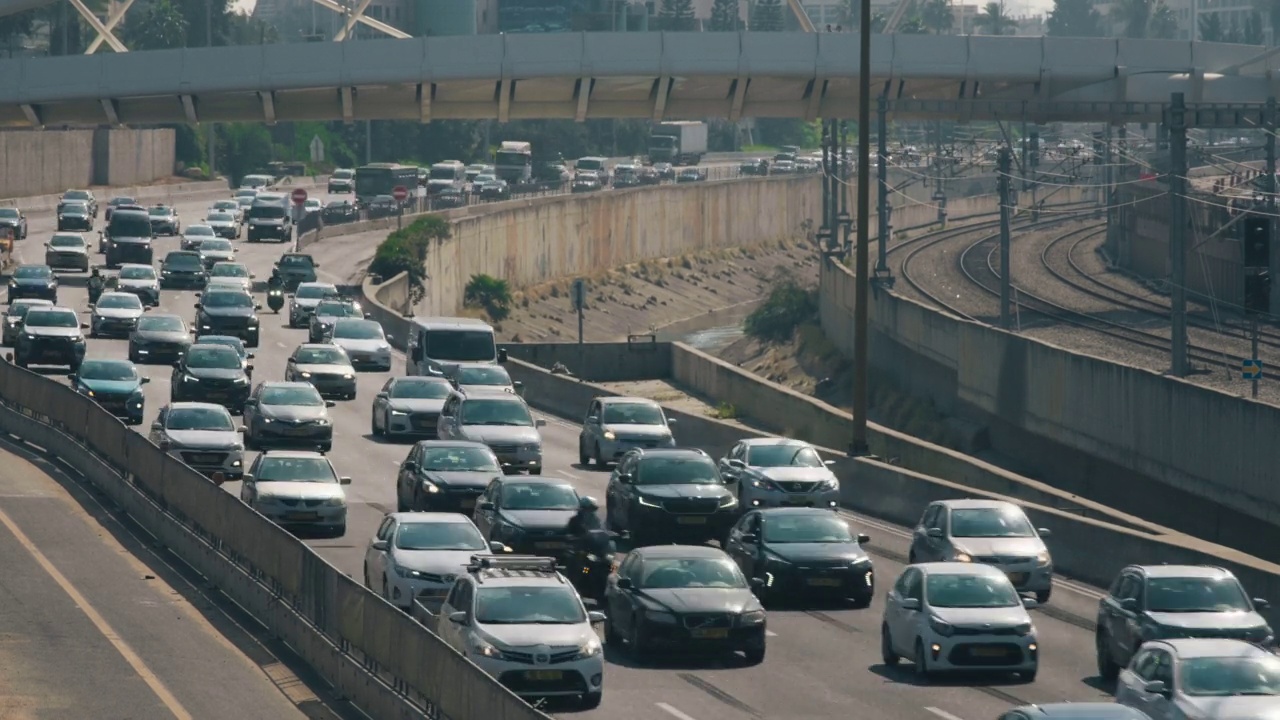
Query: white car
{"x": 193, "y": 236}
{"x": 216, "y": 250}
{"x": 116, "y": 314}
{"x": 305, "y": 299}
{"x": 523, "y": 623}
{"x": 228, "y": 206}
{"x": 224, "y": 225}
{"x": 419, "y": 555}
{"x": 203, "y": 436}
{"x": 297, "y": 488}
{"x": 234, "y": 273}
{"x": 780, "y": 472}
{"x": 365, "y": 342}
{"x": 614, "y": 426}
{"x": 312, "y": 205}
{"x": 959, "y": 617}
{"x": 1200, "y": 679}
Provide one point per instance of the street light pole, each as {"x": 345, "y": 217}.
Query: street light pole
{"x": 861, "y": 326}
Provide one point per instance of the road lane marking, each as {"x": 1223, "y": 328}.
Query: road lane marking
{"x": 130, "y": 656}
{"x": 943, "y": 713}
{"x": 673, "y": 712}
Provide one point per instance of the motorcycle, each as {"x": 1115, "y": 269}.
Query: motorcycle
{"x": 95, "y": 291}
{"x": 275, "y": 299}
{"x": 592, "y": 562}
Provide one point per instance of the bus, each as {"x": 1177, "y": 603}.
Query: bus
{"x": 513, "y": 162}
{"x": 381, "y": 178}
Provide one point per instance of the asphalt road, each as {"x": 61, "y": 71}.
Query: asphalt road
{"x": 821, "y": 664}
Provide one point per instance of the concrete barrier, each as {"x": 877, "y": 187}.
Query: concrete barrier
{"x": 34, "y": 162}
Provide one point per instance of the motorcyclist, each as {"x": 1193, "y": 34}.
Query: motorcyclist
{"x": 591, "y": 546}
{"x": 275, "y": 291}
{"x": 96, "y": 285}
{"x": 275, "y": 282}
{"x": 586, "y": 519}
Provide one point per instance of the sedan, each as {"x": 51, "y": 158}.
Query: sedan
{"x": 17, "y": 311}
{"x": 113, "y": 384}
{"x": 803, "y": 552}
{"x": 991, "y": 532}
{"x": 217, "y": 250}
{"x": 82, "y": 196}
{"x": 1190, "y": 679}
{"x": 297, "y": 489}
{"x": 203, "y": 436}
{"x": 224, "y": 224}
{"x": 228, "y": 206}
{"x": 159, "y": 338}
{"x": 669, "y": 495}
{"x": 211, "y": 374}
{"x": 408, "y": 406}
{"x": 339, "y": 212}
{"x": 236, "y": 274}
{"x": 140, "y": 280}
{"x": 193, "y": 237}
{"x": 468, "y": 377}
{"x": 445, "y": 475}
{"x": 164, "y": 220}
{"x": 528, "y": 514}
{"x": 116, "y": 314}
{"x": 364, "y": 342}
{"x": 15, "y": 219}
{"x": 33, "y": 281}
{"x": 688, "y": 175}
{"x": 418, "y": 555}
{"x": 228, "y": 311}
{"x": 304, "y": 300}
{"x": 183, "y": 269}
{"x": 287, "y": 414}
{"x": 74, "y": 216}
{"x": 67, "y": 251}
{"x": 327, "y": 367}
{"x": 616, "y": 425}
{"x": 780, "y": 472}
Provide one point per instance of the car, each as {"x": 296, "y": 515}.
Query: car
{"x": 992, "y": 532}
{"x": 33, "y": 281}
{"x": 755, "y": 166}
{"x": 115, "y": 385}
{"x": 447, "y": 198}
{"x": 224, "y": 224}
{"x": 445, "y": 475}
{"x": 82, "y": 196}
{"x": 616, "y": 425}
{"x": 164, "y": 220}
{"x": 469, "y": 377}
{"x": 159, "y": 338}
{"x": 1186, "y": 678}
{"x": 234, "y": 343}
{"x": 227, "y": 311}
{"x": 585, "y": 181}
{"x": 194, "y": 236}
{"x": 287, "y": 414}
{"x": 506, "y": 612}
{"x": 50, "y": 336}
{"x": 955, "y": 616}
{"x": 381, "y": 206}
{"x": 203, "y": 436}
{"x": 296, "y": 268}
{"x": 342, "y": 180}
{"x": 128, "y": 237}
{"x": 409, "y": 406}
{"x": 140, "y": 280}
{"x": 665, "y": 170}
{"x": 1074, "y": 711}
{"x": 16, "y": 219}
{"x": 244, "y": 202}
{"x": 626, "y": 176}
{"x": 528, "y": 514}
{"x": 304, "y": 300}
{"x": 500, "y": 420}
{"x": 217, "y": 250}
{"x": 418, "y": 555}
{"x": 211, "y": 374}
{"x": 683, "y": 599}
{"x": 780, "y": 472}
{"x": 365, "y": 343}
{"x": 244, "y": 193}
{"x": 18, "y": 310}
{"x": 326, "y": 313}
{"x": 297, "y": 489}
{"x": 312, "y": 205}
{"x": 116, "y": 314}
{"x": 494, "y": 189}
{"x": 236, "y": 274}
{"x": 117, "y": 202}
{"x": 782, "y": 167}
{"x": 667, "y": 495}
{"x": 73, "y": 215}
{"x": 183, "y": 269}
{"x": 338, "y": 212}
{"x": 803, "y": 552}
{"x": 327, "y": 367}
{"x": 67, "y": 251}
{"x": 691, "y": 175}
{"x": 1155, "y": 602}
{"x": 230, "y": 207}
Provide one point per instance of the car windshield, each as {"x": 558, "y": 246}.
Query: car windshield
{"x": 120, "y": 302}
{"x": 633, "y": 414}
{"x": 1196, "y": 595}
{"x": 301, "y": 396}
{"x": 213, "y": 357}
{"x": 52, "y": 318}
{"x": 677, "y": 471}
{"x": 676, "y": 573}
{"x": 358, "y": 330}
{"x": 20, "y": 309}
{"x": 67, "y": 208}
{"x": 314, "y": 292}
{"x": 158, "y": 212}
{"x": 230, "y": 270}
{"x": 1002, "y": 522}
{"x": 157, "y": 323}
{"x": 483, "y": 376}
{"x": 338, "y": 204}
{"x": 224, "y": 341}
{"x": 824, "y": 528}
{"x": 1230, "y": 676}
{"x": 8, "y": 213}
{"x": 414, "y": 389}
{"x": 67, "y": 241}
{"x": 211, "y": 246}
{"x": 266, "y": 212}
{"x": 439, "y": 536}
{"x": 496, "y": 412}
{"x": 121, "y": 201}
{"x": 321, "y": 356}
{"x": 337, "y": 309}
{"x": 342, "y": 174}
{"x": 227, "y": 300}
{"x": 486, "y": 178}
{"x": 784, "y": 455}
{"x": 200, "y": 230}
{"x": 225, "y": 205}
{"x": 970, "y": 591}
{"x": 557, "y": 605}
{"x": 200, "y": 418}
{"x": 295, "y": 469}
{"x": 76, "y": 195}
{"x": 118, "y": 370}
{"x": 190, "y": 260}
{"x": 137, "y": 273}
{"x": 539, "y": 496}
{"x": 33, "y": 272}
{"x": 459, "y": 459}
{"x": 461, "y": 345}
{"x": 296, "y": 261}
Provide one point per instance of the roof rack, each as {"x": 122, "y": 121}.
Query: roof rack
{"x": 513, "y": 566}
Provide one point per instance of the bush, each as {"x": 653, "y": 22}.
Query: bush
{"x": 489, "y": 294}
{"x": 405, "y": 250}
{"x": 788, "y": 306}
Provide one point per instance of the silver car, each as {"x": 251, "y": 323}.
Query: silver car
{"x": 418, "y": 555}
{"x": 233, "y": 273}
{"x": 67, "y": 251}
{"x": 327, "y": 367}
{"x": 498, "y": 419}
{"x": 18, "y": 310}
{"x": 304, "y": 300}
{"x": 287, "y": 414}
{"x": 990, "y": 532}
{"x": 780, "y": 472}
{"x": 228, "y": 206}
{"x": 481, "y": 376}
{"x": 615, "y": 426}
{"x": 116, "y": 314}
{"x": 216, "y": 250}
{"x": 1191, "y": 679}
{"x": 203, "y": 436}
{"x": 224, "y": 225}
{"x": 193, "y": 237}
{"x": 364, "y": 342}
{"x": 297, "y": 489}
{"x": 409, "y": 406}
{"x": 140, "y": 280}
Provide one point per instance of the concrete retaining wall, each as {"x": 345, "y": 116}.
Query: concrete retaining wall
{"x": 42, "y": 162}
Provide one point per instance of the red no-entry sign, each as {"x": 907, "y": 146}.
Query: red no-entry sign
{"x": 401, "y": 193}
{"x": 299, "y": 196}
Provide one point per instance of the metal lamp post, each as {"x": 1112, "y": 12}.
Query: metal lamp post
{"x": 858, "y": 443}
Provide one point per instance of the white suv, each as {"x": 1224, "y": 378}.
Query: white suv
{"x": 523, "y": 623}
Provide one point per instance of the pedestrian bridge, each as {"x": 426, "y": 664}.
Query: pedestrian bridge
{"x": 634, "y": 75}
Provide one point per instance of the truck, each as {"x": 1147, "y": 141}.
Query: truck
{"x": 679, "y": 143}
{"x": 513, "y": 162}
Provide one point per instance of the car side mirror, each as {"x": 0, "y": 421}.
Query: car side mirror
{"x": 248, "y": 367}
{"x": 539, "y": 423}
{"x": 146, "y": 308}
{"x": 242, "y": 430}
{"x": 736, "y": 464}
{"x": 1129, "y": 604}
{"x": 1261, "y": 604}
{"x": 910, "y": 604}
{"x": 84, "y": 326}
{"x": 934, "y": 532}
{"x": 315, "y": 264}
{"x": 625, "y": 584}
{"x": 344, "y": 481}
{"x": 496, "y": 547}
{"x": 624, "y": 478}
{"x": 380, "y": 545}
{"x": 248, "y": 356}
{"x": 595, "y": 617}
{"x": 198, "y": 294}
{"x": 1044, "y": 532}
{"x": 257, "y": 307}
{"x": 199, "y": 305}
{"x": 518, "y": 385}
{"x": 382, "y": 396}
{"x": 1156, "y": 687}
{"x": 502, "y": 355}
{"x": 750, "y": 538}
{"x": 485, "y": 505}
{"x": 757, "y": 583}
{"x": 144, "y": 381}
{"x": 1029, "y": 603}
{"x": 863, "y": 538}
{"x": 330, "y": 403}
{"x": 252, "y": 276}
{"x": 165, "y": 444}
{"x": 458, "y": 618}
{"x": 828, "y": 462}
{"x": 672, "y": 421}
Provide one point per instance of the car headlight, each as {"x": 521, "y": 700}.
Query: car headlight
{"x": 728, "y": 501}
{"x": 647, "y": 502}
{"x": 407, "y": 573}
{"x": 29, "y": 336}
{"x": 89, "y": 393}
{"x": 348, "y": 376}
{"x": 660, "y": 617}
{"x": 242, "y": 381}
{"x": 531, "y": 447}
{"x": 609, "y": 435}
{"x": 829, "y": 485}
{"x": 763, "y": 484}
{"x": 1043, "y": 558}
{"x": 335, "y": 502}
{"x": 268, "y": 421}
{"x": 962, "y": 557}
{"x": 940, "y": 627}
{"x": 1025, "y": 629}
{"x": 398, "y": 413}
{"x": 588, "y": 649}
{"x": 754, "y": 617}
{"x": 480, "y": 647}
{"x": 306, "y": 374}
{"x": 190, "y": 379}
{"x": 323, "y": 422}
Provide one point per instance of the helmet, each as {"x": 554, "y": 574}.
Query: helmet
{"x": 588, "y": 504}
{"x": 95, "y": 272}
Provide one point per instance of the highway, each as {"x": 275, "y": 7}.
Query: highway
{"x": 820, "y": 664}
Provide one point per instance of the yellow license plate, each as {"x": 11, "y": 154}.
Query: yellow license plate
{"x": 988, "y": 652}
{"x": 467, "y": 503}
{"x": 550, "y": 545}
{"x": 1017, "y": 578}
{"x": 711, "y": 633}
{"x": 824, "y": 582}
{"x": 544, "y": 675}
{"x": 692, "y": 521}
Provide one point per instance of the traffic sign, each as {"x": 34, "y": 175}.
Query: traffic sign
{"x": 299, "y": 196}
{"x": 401, "y": 193}
{"x": 1252, "y": 369}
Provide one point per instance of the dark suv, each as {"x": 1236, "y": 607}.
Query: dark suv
{"x": 665, "y": 495}
{"x": 228, "y": 312}
{"x": 50, "y": 336}
{"x": 211, "y": 374}
{"x": 127, "y": 238}
{"x": 1156, "y": 602}
{"x": 183, "y": 269}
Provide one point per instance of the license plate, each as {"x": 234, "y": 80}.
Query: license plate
{"x": 544, "y": 675}
{"x": 1017, "y": 578}
{"x": 205, "y": 458}
{"x": 988, "y": 652}
{"x": 711, "y": 633}
{"x": 824, "y": 582}
{"x": 467, "y": 503}
{"x": 550, "y": 545}
{"x": 692, "y": 521}
{"x": 303, "y": 516}
{"x": 299, "y": 432}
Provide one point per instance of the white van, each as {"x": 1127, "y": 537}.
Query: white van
{"x": 257, "y": 182}
{"x": 447, "y": 174}
{"x": 436, "y": 342}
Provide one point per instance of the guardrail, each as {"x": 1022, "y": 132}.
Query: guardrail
{"x": 377, "y": 656}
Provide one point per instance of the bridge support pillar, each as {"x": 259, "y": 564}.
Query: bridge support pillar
{"x": 1270, "y": 187}
{"x": 885, "y": 213}
{"x": 1004, "y": 180}
{"x": 1178, "y": 234}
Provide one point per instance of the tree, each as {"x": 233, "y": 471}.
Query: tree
{"x": 1134, "y": 15}
{"x": 1164, "y": 22}
{"x": 937, "y": 16}
{"x": 1271, "y": 9}
{"x": 1254, "y": 30}
{"x": 677, "y": 15}
{"x": 158, "y": 26}
{"x": 767, "y": 16}
{"x": 851, "y": 17}
{"x": 913, "y": 26}
{"x": 995, "y": 20}
{"x": 15, "y": 26}
{"x": 1211, "y": 29}
{"x": 724, "y": 15}
{"x": 1074, "y": 18}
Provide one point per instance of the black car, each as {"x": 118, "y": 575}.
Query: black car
{"x": 295, "y": 269}
{"x": 183, "y": 269}
{"x": 113, "y": 384}
{"x": 50, "y": 336}
{"x": 801, "y": 552}
{"x": 669, "y": 494}
{"x": 211, "y": 374}
{"x": 339, "y": 212}
{"x": 529, "y": 514}
{"x": 15, "y": 219}
{"x": 73, "y": 215}
{"x": 448, "y": 198}
{"x": 495, "y": 190}
{"x": 13, "y": 317}
{"x": 759, "y": 166}
{"x": 127, "y": 237}
{"x": 683, "y": 599}
{"x": 228, "y": 312}
{"x": 626, "y": 180}
{"x": 33, "y": 281}
{"x": 159, "y": 338}
{"x": 164, "y": 221}
{"x": 382, "y": 206}
{"x": 1159, "y": 602}
{"x": 445, "y": 476}
{"x": 688, "y": 175}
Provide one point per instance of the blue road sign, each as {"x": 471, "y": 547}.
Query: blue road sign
{"x": 1252, "y": 369}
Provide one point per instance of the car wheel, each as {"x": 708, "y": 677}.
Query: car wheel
{"x": 887, "y": 655}
{"x": 755, "y": 653}
{"x": 595, "y": 455}
{"x": 611, "y": 636}
{"x": 374, "y": 430}
{"x": 1043, "y": 596}
{"x": 921, "y": 662}
{"x": 535, "y": 471}
{"x": 583, "y": 458}
{"x": 636, "y": 641}
{"x": 591, "y": 701}
{"x": 1108, "y": 669}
